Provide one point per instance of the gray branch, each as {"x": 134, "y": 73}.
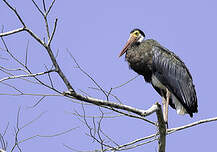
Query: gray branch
{"x": 100, "y": 102}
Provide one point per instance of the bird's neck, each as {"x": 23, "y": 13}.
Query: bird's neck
{"x": 141, "y": 39}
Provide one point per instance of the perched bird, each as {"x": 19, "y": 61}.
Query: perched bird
{"x": 164, "y": 70}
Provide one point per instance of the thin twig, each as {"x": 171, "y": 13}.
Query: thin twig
{"x": 137, "y": 145}
{"x": 31, "y": 94}
{"x": 26, "y": 55}
{"x": 28, "y": 75}
{"x": 12, "y": 87}
{"x": 108, "y": 94}
{"x": 14, "y": 58}
{"x": 84, "y": 72}
{"x": 4, "y": 143}
{"x": 130, "y": 115}
{"x": 47, "y": 28}
{"x": 50, "y": 7}
{"x": 17, "y": 130}
{"x": 57, "y": 68}
{"x": 54, "y": 30}
{"x": 44, "y": 6}
{"x": 80, "y": 115}
{"x": 5, "y": 129}
{"x": 51, "y": 82}
{"x": 18, "y": 69}
{"x": 133, "y": 142}
{"x": 119, "y": 86}
{"x": 172, "y": 130}
{"x": 48, "y": 136}
{"x": 12, "y": 75}
{"x": 33, "y": 120}
{"x": 99, "y": 130}
{"x": 75, "y": 150}
{"x": 93, "y": 131}
{"x": 38, "y": 8}
{"x": 14, "y": 10}
{"x": 37, "y": 102}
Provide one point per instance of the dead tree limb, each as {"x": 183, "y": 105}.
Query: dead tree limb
{"x": 172, "y": 130}
{"x": 162, "y": 129}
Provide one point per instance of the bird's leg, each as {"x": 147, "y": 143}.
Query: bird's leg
{"x": 166, "y": 107}
{"x": 164, "y": 110}
{"x": 164, "y": 104}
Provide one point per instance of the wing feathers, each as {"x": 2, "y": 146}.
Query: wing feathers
{"x": 173, "y": 74}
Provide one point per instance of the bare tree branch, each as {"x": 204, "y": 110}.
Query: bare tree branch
{"x": 44, "y": 6}
{"x": 137, "y": 145}
{"x": 77, "y": 114}
{"x": 52, "y": 35}
{"x": 17, "y": 130}
{"x": 85, "y": 73}
{"x": 38, "y": 7}
{"x": 28, "y": 75}
{"x": 169, "y": 131}
{"x": 45, "y": 14}
{"x": 48, "y": 136}
{"x": 119, "y": 86}
{"x": 4, "y": 70}
{"x": 18, "y": 69}
{"x": 36, "y": 37}
{"x": 49, "y": 9}
{"x": 108, "y": 94}
{"x": 172, "y": 130}
{"x": 16, "y": 13}
{"x": 28, "y": 70}
{"x": 99, "y": 102}
{"x": 12, "y": 87}
{"x": 9, "y": 52}
{"x": 37, "y": 102}
{"x": 130, "y": 115}
{"x": 75, "y": 150}
{"x": 4, "y": 143}
{"x": 26, "y": 55}
{"x": 133, "y": 142}
{"x": 50, "y": 79}
{"x": 12, "y": 32}
{"x": 30, "y": 94}
{"x": 162, "y": 129}
{"x": 58, "y": 69}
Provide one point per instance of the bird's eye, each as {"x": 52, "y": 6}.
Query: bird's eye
{"x": 136, "y": 33}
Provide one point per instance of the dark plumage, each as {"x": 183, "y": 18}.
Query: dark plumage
{"x": 163, "y": 69}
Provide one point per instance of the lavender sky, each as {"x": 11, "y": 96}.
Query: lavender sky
{"x": 95, "y": 32}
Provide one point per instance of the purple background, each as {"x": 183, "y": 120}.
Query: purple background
{"x": 95, "y": 32}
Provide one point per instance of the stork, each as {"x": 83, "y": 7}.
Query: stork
{"x": 166, "y": 72}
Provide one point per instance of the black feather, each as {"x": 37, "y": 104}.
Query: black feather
{"x": 153, "y": 61}
{"x": 174, "y": 75}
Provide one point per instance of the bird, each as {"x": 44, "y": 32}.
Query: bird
{"x": 164, "y": 70}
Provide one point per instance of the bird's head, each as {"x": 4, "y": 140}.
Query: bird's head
{"x": 136, "y": 36}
